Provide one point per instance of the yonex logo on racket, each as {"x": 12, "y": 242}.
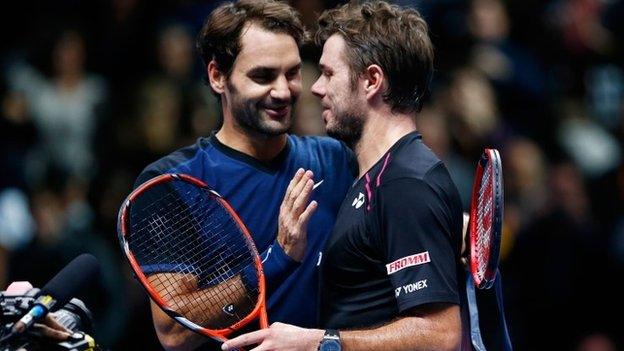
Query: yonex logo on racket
{"x": 408, "y": 261}
{"x": 229, "y": 309}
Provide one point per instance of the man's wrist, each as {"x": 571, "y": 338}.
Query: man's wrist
{"x": 315, "y": 338}
{"x": 330, "y": 341}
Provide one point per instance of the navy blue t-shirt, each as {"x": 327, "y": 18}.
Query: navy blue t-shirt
{"x": 255, "y": 190}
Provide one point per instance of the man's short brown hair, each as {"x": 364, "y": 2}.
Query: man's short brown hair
{"x": 393, "y": 37}
{"x": 219, "y": 38}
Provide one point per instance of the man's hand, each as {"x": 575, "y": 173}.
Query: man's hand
{"x": 50, "y": 328}
{"x": 295, "y": 212}
{"x": 279, "y": 336}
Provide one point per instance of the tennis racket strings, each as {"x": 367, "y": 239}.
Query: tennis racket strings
{"x": 193, "y": 253}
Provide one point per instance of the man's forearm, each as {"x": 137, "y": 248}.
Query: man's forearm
{"x": 200, "y": 306}
{"x": 173, "y": 336}
{"x": 431, "y": 327}
{"x": 440, "y": 330}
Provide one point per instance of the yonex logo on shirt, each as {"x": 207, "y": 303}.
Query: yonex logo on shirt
{"x": 408, "y": 261}
{"x": 358, "y": 201}
{"x": 410, "y": 288}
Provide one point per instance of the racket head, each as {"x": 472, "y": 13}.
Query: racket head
{"x": 486, "y": 219}
{"x": 180, "y": 236}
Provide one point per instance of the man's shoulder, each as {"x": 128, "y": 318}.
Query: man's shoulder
{"x": 417, "y": 170}
{"x": 413, "y": 160}
{"x": 321, "y": 147}
{"x": 317, "y": 143}
{"x": 325, "y": 150}
{"x": 179, "y": 161}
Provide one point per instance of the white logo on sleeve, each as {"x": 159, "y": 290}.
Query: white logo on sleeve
{"x": 358, "y": 201}
{"x": 408, "y": 261}
{"x": 410, "y": 288}
{"x": 317, "y": 184}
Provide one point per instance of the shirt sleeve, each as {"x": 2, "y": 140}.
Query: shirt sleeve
{"x": 414, "y": 229}
{"x": 277, "y": 266}
{"x": 25, "y": 79}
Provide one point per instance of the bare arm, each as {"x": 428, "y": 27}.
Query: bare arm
{"x": 430, "y": 327}
{"x": 435, "y": 327}
{"x": 173, "y": 336}
{"x": 198, "y": 306}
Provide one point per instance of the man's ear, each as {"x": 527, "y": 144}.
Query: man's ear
{"x": 216, "y": 77}
{"x": 374, "y": 80}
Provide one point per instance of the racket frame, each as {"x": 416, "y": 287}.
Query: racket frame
{"x": 259, "y": 310}
{"x": 485, "y": 281}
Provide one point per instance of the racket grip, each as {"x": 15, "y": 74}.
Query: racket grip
{"x": 498, "y": 285}
{"x": 475, "y": 329}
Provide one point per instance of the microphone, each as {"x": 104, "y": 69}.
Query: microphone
{"x": 59, "y": 290}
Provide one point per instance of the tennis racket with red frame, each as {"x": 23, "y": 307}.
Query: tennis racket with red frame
{"x": 485, "y": 229}
{"x": 486, "y": 219}
{"x": 193, "y": 255}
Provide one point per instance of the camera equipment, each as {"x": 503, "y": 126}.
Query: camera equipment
{"x": 74, "y": 316}
{"x": 22, "y": 309}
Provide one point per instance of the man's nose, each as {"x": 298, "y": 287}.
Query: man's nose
{"x": 281, "y": 89}
{"x": 318, "y": 88}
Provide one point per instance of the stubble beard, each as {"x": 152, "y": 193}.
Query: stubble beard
{"x": 348, "y": 127}
{"x": 249, "y": 116}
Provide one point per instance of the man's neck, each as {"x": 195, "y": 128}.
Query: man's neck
{"x": 259, "y": 146}
{"x": 382, "y": 130}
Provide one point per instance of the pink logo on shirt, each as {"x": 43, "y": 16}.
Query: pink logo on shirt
{"x": 408, "y": 261}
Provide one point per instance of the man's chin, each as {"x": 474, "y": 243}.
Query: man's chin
{"x": 274, "y": 128}
{"x": 351, "y": 138}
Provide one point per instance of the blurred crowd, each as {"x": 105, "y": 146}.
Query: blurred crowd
{"x": 93, "y": 91}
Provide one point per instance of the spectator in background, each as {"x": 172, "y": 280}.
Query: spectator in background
{"x": 434, "y": 125}
{"x": 18, "y": 137}
{"x": 16, "y": 227}
{"x": 555, "y": 266}
{"x": 173, "y": 107}
{"x": 471, "y": 107}
{"x": 589, "y": 145}
{"x": 525, "y": 187}
{"x": 596, "y": 342}
{"x": 513, "y": 70}
{"x": 176, "y": 57}
{"x": 65, "y": 107}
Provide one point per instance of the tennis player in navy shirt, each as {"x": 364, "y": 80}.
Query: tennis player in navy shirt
{"x": 251, "y": 52}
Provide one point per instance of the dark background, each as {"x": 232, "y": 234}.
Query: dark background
{"x": 92, "y": 91}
